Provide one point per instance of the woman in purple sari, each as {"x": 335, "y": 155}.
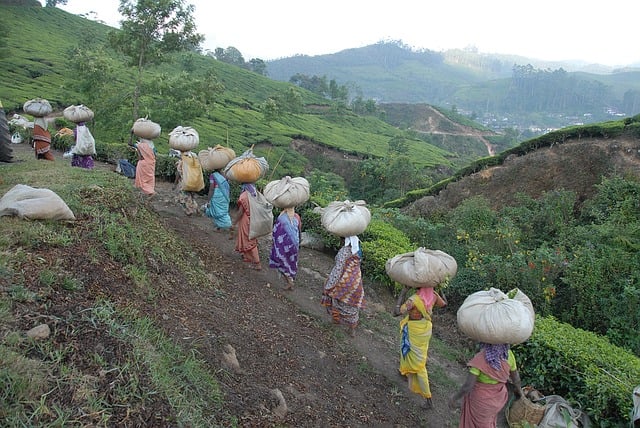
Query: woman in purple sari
{"x": 286, "y": 245}
{"x": 83, "y": 139}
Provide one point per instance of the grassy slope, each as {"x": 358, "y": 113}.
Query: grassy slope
{"x": 235, "y": 118}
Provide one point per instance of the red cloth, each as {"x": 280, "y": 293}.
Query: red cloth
{"x": 482, "y": 405}
{"x": 42, "y": 143}
{"x": 245, "y": 246}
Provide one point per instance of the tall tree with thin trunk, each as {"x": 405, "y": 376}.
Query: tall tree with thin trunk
{"x": 151, "y": 30}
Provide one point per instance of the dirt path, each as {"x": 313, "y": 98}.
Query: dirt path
{"x": 285, "y": 340}
{"x": 294, "y": 367}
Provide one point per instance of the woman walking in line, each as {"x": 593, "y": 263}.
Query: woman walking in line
{"x": 343, "y": 293}
{"x": 286, "y": 245}
{"x": 248, "y": 248}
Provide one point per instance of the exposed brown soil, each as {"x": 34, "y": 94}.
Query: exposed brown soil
{"x": 283, "y": 340}
{"x": 576, "y": 165}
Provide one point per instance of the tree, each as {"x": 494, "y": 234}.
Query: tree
{"x": 151, "y": 30}
{"x": 258, "y": 66}
{"x": 54, "y": 3}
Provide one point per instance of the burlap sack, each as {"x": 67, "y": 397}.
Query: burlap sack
{"x": 215, "y": 158}
{"x": 144, "y": 128}
{"x": 184, "y": 138}
{"x": 34, "y": 204}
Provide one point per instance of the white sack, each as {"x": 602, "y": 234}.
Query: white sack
{"x": 492, "y": 317}
{"x": 37, "y": 107}
{"x": 77, "y": 114}
{"x": 145, "y": 128}
{"x": 287, "y": 192}
{"x": 421, "y": 268}
{"x": 215, "y": 158}
{"x": 345, "y": 218}
{"x": 85, "y": 143}
{"x": 184, "y": 138}
{"x": 34, "y": 204}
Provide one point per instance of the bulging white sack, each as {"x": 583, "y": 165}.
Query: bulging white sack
{"x": 490, "y": 316}
{"x": 287, "y": 192}
{"x": 77, "y": 114}
{"x": 184, "y": 138}
{"x": 34, "y": 204}
{"x": 145, "y": 128}
{"x": 345, "y": 218}
{"x": 421, "y": 268}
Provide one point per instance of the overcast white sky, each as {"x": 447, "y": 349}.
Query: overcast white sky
{"x": 594, "y": 32}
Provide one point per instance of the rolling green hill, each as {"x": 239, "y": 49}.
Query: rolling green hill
{"x": 42, "y": 46}
{"x": 529, "y": 93}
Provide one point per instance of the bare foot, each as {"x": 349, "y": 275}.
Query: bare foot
{"x": 288, "y": 283}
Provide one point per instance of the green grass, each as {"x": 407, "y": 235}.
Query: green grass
{"x": 40, "y": 44}
{"x": 36, "y": 266}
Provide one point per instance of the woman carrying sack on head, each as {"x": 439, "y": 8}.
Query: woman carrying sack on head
{"x": 248, "y": 248}
{"x": 42, "y": 139}
{"x": 219, "y": 196}
{"x": 485, "y": 391}
{"x": 343, "y": 293}
{"x": 286, "y": 245}
{"x": 145, "y": 178}
{"x": 415, "y": 331}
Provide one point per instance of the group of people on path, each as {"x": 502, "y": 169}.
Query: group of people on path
{"x": 485, "y": 390}
{"x": 492, "y": 372}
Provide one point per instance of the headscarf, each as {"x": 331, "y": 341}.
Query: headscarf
{"x": 428, "y": 296}
{"x": 494, "y": 354}
{"x": 249, "y": 187}
{"x": 354, "y": 242}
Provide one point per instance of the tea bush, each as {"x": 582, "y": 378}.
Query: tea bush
{"x": 584, "y": 368}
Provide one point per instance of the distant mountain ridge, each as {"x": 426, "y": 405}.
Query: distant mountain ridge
{"x": 390, "y": 72}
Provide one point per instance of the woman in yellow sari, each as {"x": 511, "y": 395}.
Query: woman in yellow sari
{"x": 415, "y": 331}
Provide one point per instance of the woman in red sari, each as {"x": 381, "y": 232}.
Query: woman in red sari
{"x": 42, "y": 139}
{"x": 485, "y": 390}
{"x": 248, "y": 248}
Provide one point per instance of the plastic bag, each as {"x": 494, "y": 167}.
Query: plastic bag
{"x": 16, "y": 138}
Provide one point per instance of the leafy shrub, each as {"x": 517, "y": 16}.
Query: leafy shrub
{"x": 380, "y": 242}
{"x": 584, "y": 368}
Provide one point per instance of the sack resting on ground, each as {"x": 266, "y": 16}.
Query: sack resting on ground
{"x": 34, "y": 204}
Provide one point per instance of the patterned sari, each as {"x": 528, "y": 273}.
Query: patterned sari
{"x": 343, "y": 293}
{"x": 416, "y": 334}
{"x": 286, "y": 245}
{"x": 218, "y": 208}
